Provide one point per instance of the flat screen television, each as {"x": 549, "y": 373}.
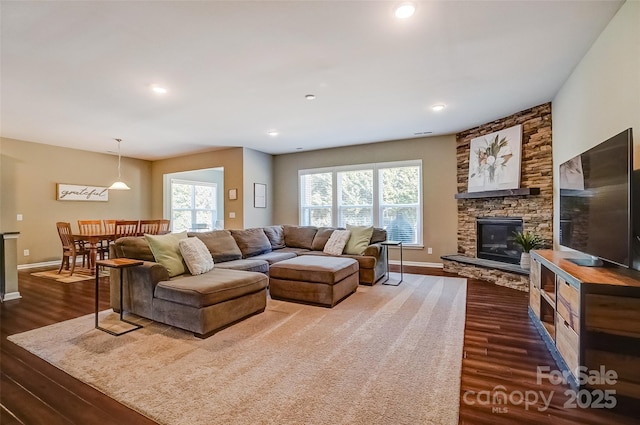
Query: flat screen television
{"x": 596, "y": 202}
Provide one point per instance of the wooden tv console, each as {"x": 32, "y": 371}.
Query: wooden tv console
{"x": 588, "y": 316}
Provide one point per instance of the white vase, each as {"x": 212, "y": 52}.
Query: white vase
{"x": 525, "y": 260}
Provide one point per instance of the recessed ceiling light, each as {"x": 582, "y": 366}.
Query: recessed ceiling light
{"x": 438, "y": 107}
{"x": 310, "y": 97}
{"x": 405, "y": 10}
{"x": 158, "y": 89}
{"x": 272, "y": 133}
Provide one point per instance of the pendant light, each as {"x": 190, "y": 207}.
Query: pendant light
{"x": 119, "y": 185}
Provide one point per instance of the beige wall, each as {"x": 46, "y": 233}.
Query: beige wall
{"x": 28, "y": 176}
{"x": 229, "y": 159}
{"x": 438, "y": 155}
{"x": 258, "y": 168}
{"x": 29, "y": 173}
{"x": 601, "y": 98}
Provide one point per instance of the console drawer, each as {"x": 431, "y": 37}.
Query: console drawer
{"x": 625, "y": 365}
{"x": 568, "y": 303}
{"x": 534, "y": 300}
{"x": 613, "y": 314}
{"x": 567, "y": 343}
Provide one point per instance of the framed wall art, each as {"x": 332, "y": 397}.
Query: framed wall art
{"x": 494, "y": 160}
{"x": 260, "y": 195}
{"x": 76, "y": 192}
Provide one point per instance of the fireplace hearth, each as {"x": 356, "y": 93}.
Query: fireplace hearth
{"x": 495, "y": 239}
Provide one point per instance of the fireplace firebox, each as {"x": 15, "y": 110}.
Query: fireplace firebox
{"x": 495, "y": 239}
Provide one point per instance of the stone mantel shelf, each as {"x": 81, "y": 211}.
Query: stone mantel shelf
{"x": 523, "y": 191}
{"x": 490, "y": 264}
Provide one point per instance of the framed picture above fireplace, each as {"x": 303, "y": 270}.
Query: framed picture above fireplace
{"x": 494, "y": 160}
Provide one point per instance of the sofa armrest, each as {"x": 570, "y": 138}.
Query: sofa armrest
{"x": 380, "y": 253}
{"x": 373, "y": 250}
{"x": 139, "y": 284}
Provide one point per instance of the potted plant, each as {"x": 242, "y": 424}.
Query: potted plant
{"x": 527, "y": 242}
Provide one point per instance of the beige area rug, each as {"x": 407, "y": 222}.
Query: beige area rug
{"x": 65, "y": 276}
{"x": 385, "y": 355}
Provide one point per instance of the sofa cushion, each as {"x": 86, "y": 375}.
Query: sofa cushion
{"x": 336, "y": 243}
{"x": 321, "y": 237}
{"x": 379, "y": 235}
{"x": 275, "y": 256}
{"x": 135, "y": 247}
{"x": 196, "y": 255}
{"x": 296, "y": 251}
{"x": 299, "y": 236}
{"x": 248, "y": 265}
{"x": 166, "y": 251}
{"x": 210, "y": 288}
{"x": 359, "y": 240}
{"x": 220, "y": 244}
{"x": 275, "y": 235}
{"x": 251, "y": 241}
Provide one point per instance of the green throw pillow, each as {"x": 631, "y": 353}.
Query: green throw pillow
{"x": 359, "y": 239}
{"x": 166, "y": 251}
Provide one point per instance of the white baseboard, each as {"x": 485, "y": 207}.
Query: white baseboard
{"x": 11, "y": 296}
{"x": 417, "y": 264}
{"x": 43, "y": 264}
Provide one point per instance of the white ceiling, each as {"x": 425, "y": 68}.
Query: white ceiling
{"x": 78, "y": 74}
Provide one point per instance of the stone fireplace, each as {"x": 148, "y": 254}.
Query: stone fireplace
{"x": 494, "y": 239}
{"x": 532, "y": 203}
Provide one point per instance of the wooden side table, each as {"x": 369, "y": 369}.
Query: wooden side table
{"x": 387, "y": 244}
{"x": 119, "y": 264}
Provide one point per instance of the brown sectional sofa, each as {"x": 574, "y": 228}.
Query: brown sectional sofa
{"x": 236, "y": 287}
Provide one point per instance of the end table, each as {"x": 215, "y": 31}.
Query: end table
{"x": 119, "y": 264}
{"x": 387, "y": 244}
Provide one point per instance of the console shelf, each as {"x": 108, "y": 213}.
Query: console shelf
{"x": 588, "y": 316}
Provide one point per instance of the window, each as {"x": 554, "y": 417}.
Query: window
{"x": 400, "y": 203}
{"x": 316, "y": 191}
{"x": 355, "y": 202}
{"x": 193, "y": 205}
{"x": 387, "y": 195}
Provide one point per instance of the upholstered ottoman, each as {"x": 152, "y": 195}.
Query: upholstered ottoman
{"x": 207, "y": 303}
{"x": 314, "y": 279}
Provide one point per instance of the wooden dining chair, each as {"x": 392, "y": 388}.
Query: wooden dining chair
{"x": 125, "y": 228}
{"x": 165, "y": 226}
{"x": 70, "y": 249}
{"x": 109, "y": 226}
{"x": 149, "y": 227}
{"x": 94, "y": 227}
{"x": 90, "y": 227}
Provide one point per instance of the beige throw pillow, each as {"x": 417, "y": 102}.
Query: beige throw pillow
{"x": 166, "y": 251}
{"x": 359, "y": 240}
{"x": 337, "y": 241}
{"x": 196, "y": 255}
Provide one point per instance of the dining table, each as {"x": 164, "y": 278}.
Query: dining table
{"x": 93, "y": 241}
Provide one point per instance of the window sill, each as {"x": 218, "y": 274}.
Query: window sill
{"x": 406, "y": 246}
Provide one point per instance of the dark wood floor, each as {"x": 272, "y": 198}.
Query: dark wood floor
{"x": 501, "y": 348}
